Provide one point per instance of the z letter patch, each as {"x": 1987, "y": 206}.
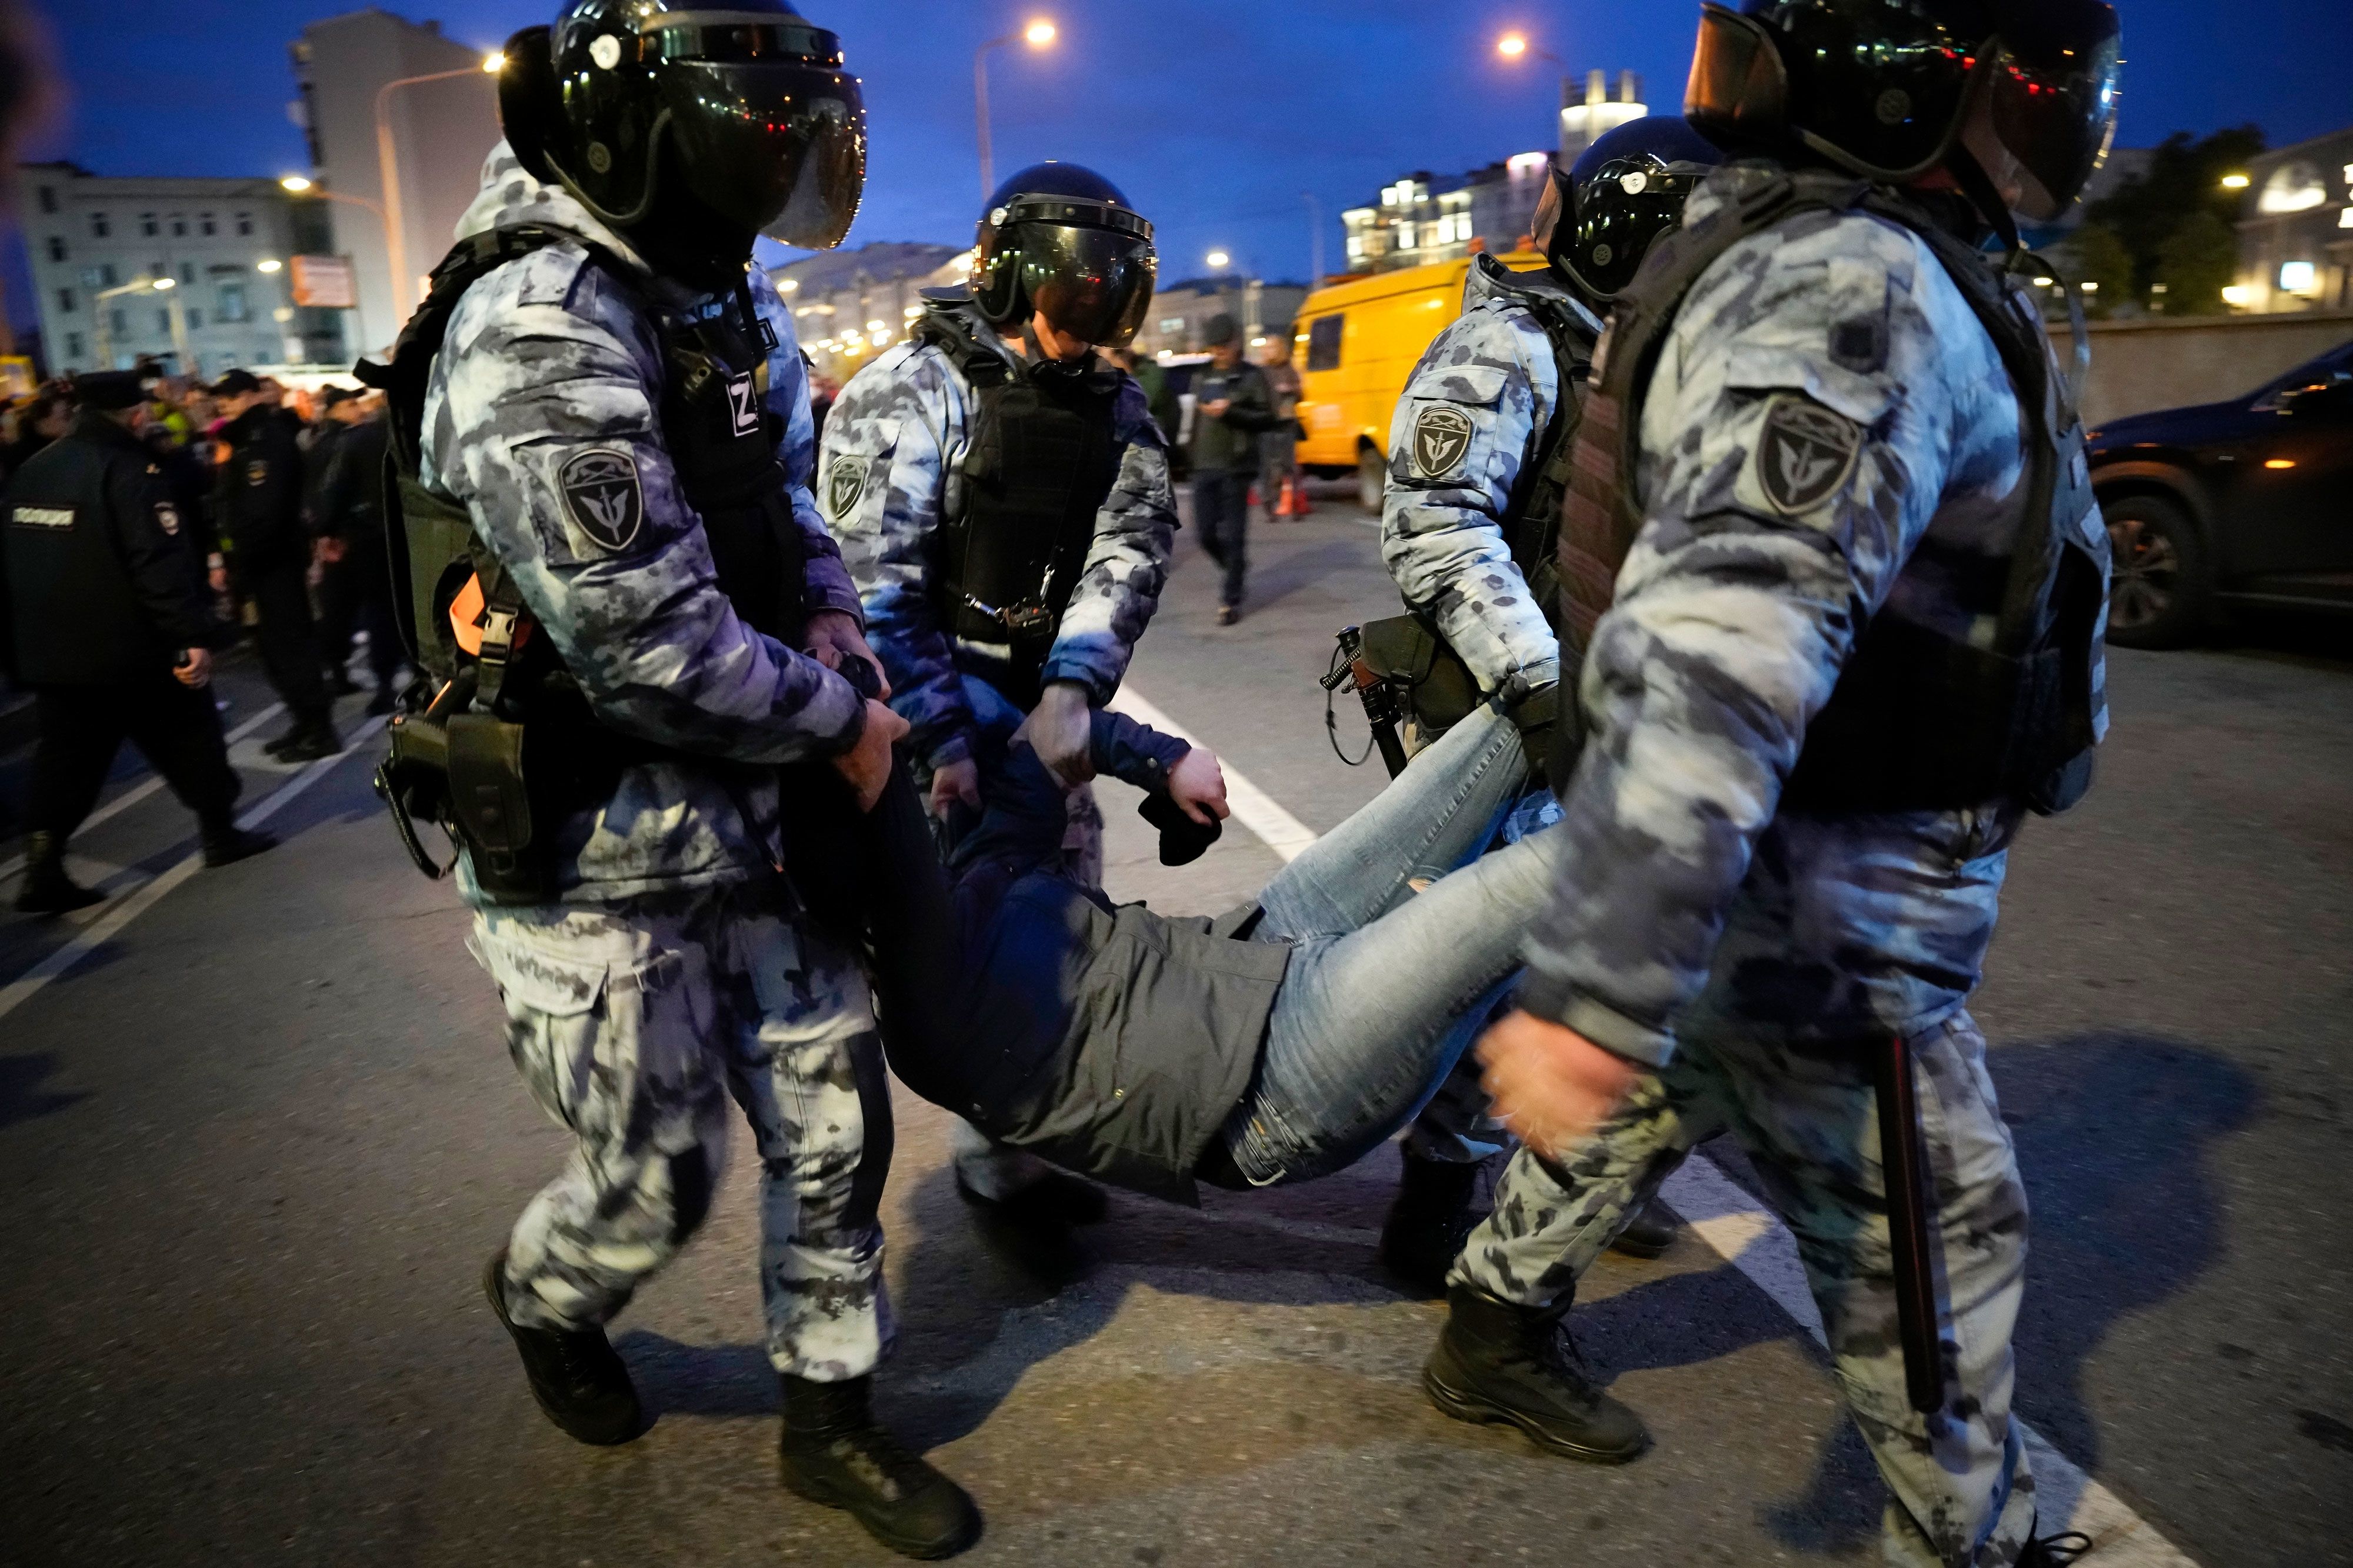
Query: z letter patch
{"x": 603, "y": 497}
{"x": 844, "y": 485}
{"x": 1805, "y": 455}
{"x": 1441, "y": 435}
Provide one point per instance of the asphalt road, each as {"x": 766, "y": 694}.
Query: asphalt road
{"x": 255, "y": 1145}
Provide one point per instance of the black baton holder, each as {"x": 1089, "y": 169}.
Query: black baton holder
{"x": 1904, "y": 1166}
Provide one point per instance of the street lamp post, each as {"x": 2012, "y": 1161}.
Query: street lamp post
{"x": 1515, "y": 47}
{"x": 387, "y": 158}
{"x": 1037, "y": 35}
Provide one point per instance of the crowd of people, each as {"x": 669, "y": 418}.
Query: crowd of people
{"x": 236, "y": 511}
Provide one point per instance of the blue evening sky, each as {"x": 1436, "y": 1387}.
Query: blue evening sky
{"x": 1217, "y": 116}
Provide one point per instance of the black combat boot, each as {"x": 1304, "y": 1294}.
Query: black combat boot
{"x": 1496, "y": 1361}
{"x": 48, "y": 890}
{"x": 313, "y": 742}
{"x": 225, "y": 843}
{"x": 577, "y": 1376}
{"x": 1649, "y": 1234}
{"x": 1427, "y": 1222}
{"x": 836, "y": 1453}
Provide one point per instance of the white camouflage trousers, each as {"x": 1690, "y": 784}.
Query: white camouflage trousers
{"x": 633, "y": 1024}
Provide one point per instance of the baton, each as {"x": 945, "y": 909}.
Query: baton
{"x": 1904, "y": 1166}
{"x": 1377, "y": 695}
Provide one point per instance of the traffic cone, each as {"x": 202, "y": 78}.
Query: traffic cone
{"x": 1289, "y": 505}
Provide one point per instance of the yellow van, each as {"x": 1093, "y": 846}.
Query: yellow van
{"x": 1357, "y": 346}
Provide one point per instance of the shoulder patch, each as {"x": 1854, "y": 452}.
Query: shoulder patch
{"x": 1441, "y": 435}
{"x": 845, "y": 487}
{"x": 603, "y": 495}
{"x": 1805, "y": 454}
{"x": 167, "y": 518}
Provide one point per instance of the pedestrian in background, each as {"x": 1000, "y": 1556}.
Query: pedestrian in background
{"x": 1233, "y": 411}
{"x": 41, "y": 421}
{"x": 258, "y": 505}
{"x": 355, "y": 595}
{"x": 108, "y": 625}
{"x": 1278, "y": 454}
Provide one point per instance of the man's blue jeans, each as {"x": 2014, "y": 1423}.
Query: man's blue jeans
{"x": 1388, "y": 985}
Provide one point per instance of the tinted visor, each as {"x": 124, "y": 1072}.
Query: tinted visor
{"x": 1739, "y": 93}
{"x": 1093, "y": 283}
{"x": 771, "y": 132}
{"x": 2055, "y": 97}
{"x": 1620, "y": 213}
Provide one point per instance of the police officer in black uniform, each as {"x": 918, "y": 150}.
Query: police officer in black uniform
{"x": 357, "y": 593}
{"x": 258, "y": 507}
{"x": 107, "y": 624}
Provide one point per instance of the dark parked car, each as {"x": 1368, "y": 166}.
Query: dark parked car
{"x": 2248, "y": 502}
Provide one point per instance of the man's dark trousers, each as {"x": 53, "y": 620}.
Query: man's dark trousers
{"x": 82, "y": 727}
{"x": 281, "y": 591}
{"x": 357, "y": 597}
{"x": 1221, "y": 512}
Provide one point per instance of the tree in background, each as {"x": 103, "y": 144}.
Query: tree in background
{"x": 2095, "y": 254}
{"x": 2173, "y": 224}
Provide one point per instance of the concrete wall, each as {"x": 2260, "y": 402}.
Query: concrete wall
{"x": 442, "y": 132}
{"x": 2141, "y": 366}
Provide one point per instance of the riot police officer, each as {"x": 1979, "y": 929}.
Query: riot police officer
{"x": 607, "y": 418}
{"x": 1002, "y": 497}
{"x": 105, "y": 618}
{"x": 1839, "y": 582}
{"x": 259, "y": 507}
{"x": 1478, "y": 455}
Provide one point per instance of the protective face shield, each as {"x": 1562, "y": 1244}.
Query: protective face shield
{"x": 762, "y": 127}
{"x": 1624, "y": 192}
{"x": 1062, "y": 240}
{"x": 1886, "y": 89}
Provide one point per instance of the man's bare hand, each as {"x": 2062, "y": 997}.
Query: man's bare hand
{"x": 1198, "y": 784}
{"x": 1062, "y": 729}
{"x": 867, "y": 765}
{"x": 195, "y": 669}
{"x": 834, "y": 636}
{"x": 958, "y": 780}
{"x": 1550, "y": 1084}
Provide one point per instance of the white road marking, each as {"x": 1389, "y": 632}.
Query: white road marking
{"x": 133, "y": 796}
{"x": 25, "y": 987}
{"x": 1253, "y": 807}
{"x": 1740, "y": 1230}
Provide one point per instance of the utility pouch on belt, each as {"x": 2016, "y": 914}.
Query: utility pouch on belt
{"x": 490, "y": 802}
{"x": 1438, "y": 688}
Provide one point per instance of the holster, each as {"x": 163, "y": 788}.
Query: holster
{"x": 1437, "y": 687}
{"x": 489, "y": 801}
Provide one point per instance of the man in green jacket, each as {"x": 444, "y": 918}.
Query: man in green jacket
{"x": 1232, "y": 407}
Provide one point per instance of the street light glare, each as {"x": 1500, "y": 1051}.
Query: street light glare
{"x": 167, "y": 283}
{"x": 272, "y": 265}
{"x": 494, "y": 64}
{"x": 1512, "y": 45}
{"x": 2235, "y": 182}
{"x": 1219, "y": 259}
{"x": 1040, "y": 34}
{"x": 295, "y": 183}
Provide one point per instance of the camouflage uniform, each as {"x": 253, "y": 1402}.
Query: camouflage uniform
{"x": 1470, "y": 420}
{"x": 1739, "y": 950}
{"x": 892, "y": 471}
{"x": 675, "y": 962}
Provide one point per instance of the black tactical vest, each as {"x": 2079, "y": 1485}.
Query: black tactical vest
{"x": 721, "y": 439}
{"x": 1918, "y": 721}
{"x": 1039, "y": 461}
{"x": 1533, "y": 513}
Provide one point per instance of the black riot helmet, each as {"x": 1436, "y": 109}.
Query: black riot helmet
{"x": 1062, "y": 239}
{"x": 740, "y": 108}
{"x": 1620, "y": 195}
{"x": 1884, "y": 87}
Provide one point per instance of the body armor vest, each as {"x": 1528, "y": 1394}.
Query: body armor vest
{"x": 1531, "y": 517}
{"x": 1919, "y": 720}
{"x": 1039, "y": 461}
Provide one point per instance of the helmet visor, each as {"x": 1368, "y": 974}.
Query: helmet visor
{"x": 1093, "y": 283}
{"x": 2054, "y": 100}
{"x": 1739, "y": 93}
{"x": 770, "y": 132}
{"x": 1619, "y": 213}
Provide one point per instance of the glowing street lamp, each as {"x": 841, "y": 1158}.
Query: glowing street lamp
{"x": 2235, "y": 182}
{"x": 1514, "y": 46}
{"x": 1040, "y": 34}
{"x": 1220, "y": 260}
{"x": 270, "y": 264}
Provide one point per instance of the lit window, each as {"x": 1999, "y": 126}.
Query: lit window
{"x": 1356, "y": 243}
{"x": 2345, "y": 218}
{"x": 1404, "y": 237}
{"x": 2293, "y": 188}
{"x": 2299, "y": 277}
{"x": 2238, "y": 294}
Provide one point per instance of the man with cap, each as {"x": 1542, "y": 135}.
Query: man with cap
{"x": 1002, "y": 497}
{"x": 258, "y": 508}
{"x": 1233, "y": 405}
{"x": 107, "y": 622}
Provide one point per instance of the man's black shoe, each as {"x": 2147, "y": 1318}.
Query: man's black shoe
{"x": 577, "y": 1376}
{"x": 49, "y": 888}
{"x": 315, "y": 744}
{"x": 1427, "y": 1222}
{"x": 292, "y": 737}
{"x": 1649, "y": 1234}
{"x": 1500, "y": 1363}
{"x": 227, "y": 845}
{"x": 834, "y": 1454}
{"x": 2053, "y": 1551}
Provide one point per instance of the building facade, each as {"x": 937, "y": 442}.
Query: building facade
{"x": 2295, "y": 231}
{"x": 438, "y": 132}
{"x": 849, "y": 305}
{"x": 1181, "y": 313}
{"x": 1592, "y": 112}
{"x": 1424, "y": 219}
{"x": 99, "y": 246}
